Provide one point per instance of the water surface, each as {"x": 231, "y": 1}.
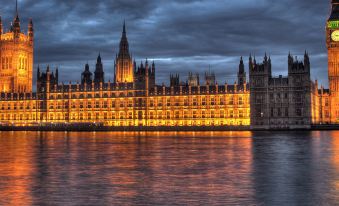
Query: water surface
{"x": 169, "y": 168}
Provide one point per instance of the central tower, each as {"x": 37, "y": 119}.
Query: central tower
{"x": 124, "y": 72}
{"x": 332, "y": 40}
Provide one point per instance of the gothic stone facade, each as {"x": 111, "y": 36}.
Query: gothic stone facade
{"x": 281, "y": 102}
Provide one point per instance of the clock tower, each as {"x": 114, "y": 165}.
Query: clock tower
{"x": 332, "y": 40}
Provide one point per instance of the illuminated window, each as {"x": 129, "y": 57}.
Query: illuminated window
{"x": 186, "y": 114}
{"x": 241, "y": 101}
{"x": 195, "y": 101}
{"x": 222, "y": 100}
{"x": 230, "y": 101}
{"x": 177, "y": 114}
{"x": 241, "y": 113}
{"x": 186, "y": 101}
{"x": 195, "y": 114}
{"x": 203, "y": 101}
{"x": 177, "y": 102}
{"x": 212, "y": 101}
{"x": 222, "y": 113}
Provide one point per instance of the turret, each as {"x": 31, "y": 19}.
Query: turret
{"x": 38, "y": 73}
{"x": 86, "y": 76}
{"x": 146, "y": 67}
{"x": 147, "y": 77}
{"x": 153, "y": 68}
{"x": 115, "y": 73}
{"x": 290, "y": 59}
{"x": 16, "y": 24}
{"x": 307, "y": 61}
{"x": 30, "y": 31}
{"x": 250, "y": 63}
{"x": 48, "y": 70}
{"x": 135, "y": 66}
{"x": 57, "y": 74}
{"x": 174, "y": 80}
{"x": 48, "y": 79}
{"x": 241, "y": 73}
{"x": 210, "y": 78}
{"x": 99, "y": 71}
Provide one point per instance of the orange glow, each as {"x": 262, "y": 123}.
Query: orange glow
{"x": 16, "y": 63}
{"x": 219, "y": 109}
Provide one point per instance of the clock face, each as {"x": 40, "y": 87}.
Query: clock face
{"x": 335, "y": 35}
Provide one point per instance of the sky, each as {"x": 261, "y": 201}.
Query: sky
{"x": 181, "y": 36}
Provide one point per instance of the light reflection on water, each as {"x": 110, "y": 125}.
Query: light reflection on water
{"x": 169, "y": 168}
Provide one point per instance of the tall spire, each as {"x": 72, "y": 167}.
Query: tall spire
{"x": 124, "y": 28}
{"x": 16, "y": 25}
{"x": 16, "y": 8}
{"x": 124, "y": 63}
{"x": 124, "y": 46}
{"x": 99, "y": 58}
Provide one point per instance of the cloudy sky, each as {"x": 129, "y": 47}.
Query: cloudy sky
{"x": 180, "y": 35}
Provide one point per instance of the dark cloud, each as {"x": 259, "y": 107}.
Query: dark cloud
{"x": 181, "y": 35}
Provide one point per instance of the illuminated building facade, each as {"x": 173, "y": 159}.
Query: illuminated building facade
{"x": 332, "y": 39}
{"x": 16, "y": 57}
{"x": 134, "y": 98}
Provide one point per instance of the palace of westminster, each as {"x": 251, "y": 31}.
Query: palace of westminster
{"x": 133, "y": 99}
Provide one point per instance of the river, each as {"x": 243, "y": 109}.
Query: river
{"x": 169, "y": 168}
